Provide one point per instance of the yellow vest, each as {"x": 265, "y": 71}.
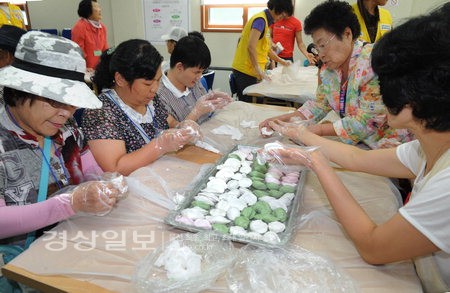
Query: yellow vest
{"x": 241, "y": 61}
{"x": 384, "y": 24}
{"x": 15, "y": 17}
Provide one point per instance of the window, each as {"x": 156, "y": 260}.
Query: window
{"x": 228, "y": 16}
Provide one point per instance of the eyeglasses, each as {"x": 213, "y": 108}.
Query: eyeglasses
{"x": 56, "y": 104}
{"x": 323, "y": 47}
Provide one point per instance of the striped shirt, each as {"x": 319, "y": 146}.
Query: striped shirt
{"x": 180, "y": 104}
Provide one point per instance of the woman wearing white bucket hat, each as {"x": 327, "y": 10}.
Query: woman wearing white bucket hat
{"x": 41, "y": 150}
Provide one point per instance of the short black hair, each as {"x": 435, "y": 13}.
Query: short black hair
{"x": 192, "y": 52}
{"x": 333, "y": 16}
{"x": 413, "y": 66}
{"x": 85, "y": 8}
{"x": 281, "y": 6}
{"x": 196, "y": 34}
{"x": 13, "y": 97}
{"x": 133, "y": 59}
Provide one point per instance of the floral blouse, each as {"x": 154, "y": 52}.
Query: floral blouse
{"x": 113, "y": 122}
{"x": 364, "y": 115}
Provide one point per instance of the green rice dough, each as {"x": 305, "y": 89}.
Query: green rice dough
{"x": 276, "y": 193}
{"x": 258, "y": 217}
{"x": 262, "y": 207}
{"x": 248, "y": 212}
{"x": 234, "y": 156}
{"x": 259, "y": 179}
{"x": 200, "y": 204}
{"x": 287, "y": 189}
{"x": 259, "y": 185}
{"x": 256, "y": 174}
{"x": 242, "y": 221}
{"x": 280, "y": 214}
{"x": 260, "y": 193}
{"x": 222, "y": 228}
{"x": 259, "y": 168}
{"x": 273, "y": 186}
{"x": 268, "y": 218}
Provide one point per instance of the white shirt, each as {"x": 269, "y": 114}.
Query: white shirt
{"x": 429, "y": 207}
{"x": 176, "y": 92}
{"x": 135, "y": 116}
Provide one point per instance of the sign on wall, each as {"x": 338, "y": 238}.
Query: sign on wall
{"x": 393, "y": 2}
{"x": 161, "y": 15}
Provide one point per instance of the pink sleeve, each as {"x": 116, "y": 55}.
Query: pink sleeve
{"x": 90, "y": 168}
{"x": 17, "y": 220}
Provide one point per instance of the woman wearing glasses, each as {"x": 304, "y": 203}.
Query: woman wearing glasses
{"x": 349, "y": 86}
{"x": 413, "y": 65}
{"x": 42, "y": 151}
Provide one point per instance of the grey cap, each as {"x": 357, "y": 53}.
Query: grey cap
{"x": 52, "y": 67}
{"x": 176, "y": 33}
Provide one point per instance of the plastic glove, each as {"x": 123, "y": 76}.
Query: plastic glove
{"x": 264, "y": 127}
{"x": 95, "y": 197}
{"x": 193, "y": 129}
{"x": 293, "y": 130}
{"x": 117, "y": 179}
{"x": 210, "y": 102}
{"x": 277, "y": 152}
{"x": 293, "y": 117}
{"x": 263, "y": 75}
{"x": 286, "y": 62}
{"x": 222, "y": 98}
{"x": 173, "y": 139}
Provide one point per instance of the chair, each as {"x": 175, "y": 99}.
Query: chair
{"x": 67, "y": 33}
{"x": 52, "y": 31}
{"x": 77, "y": 115}
{"x": 204, "y": 83}
{"x": 209, "y": 77}
{"x": 232, "y": 81}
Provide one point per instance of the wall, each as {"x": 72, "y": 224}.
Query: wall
{"x": 53, "y": 14}
{"x": 124, "y": 19}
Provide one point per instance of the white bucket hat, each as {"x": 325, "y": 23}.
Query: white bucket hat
{"x": 52, "y": 67}
{"x": 176, "y": 33}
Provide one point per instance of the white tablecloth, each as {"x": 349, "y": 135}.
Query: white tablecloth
{"x": 105, "y": 250}
{"x": 294, "y": 83}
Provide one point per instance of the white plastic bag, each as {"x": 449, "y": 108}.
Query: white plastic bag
{"x": 216, "y": 256}
{"x": 290, "y": 269}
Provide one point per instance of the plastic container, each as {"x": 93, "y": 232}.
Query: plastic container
{"x": 284, "y": 236}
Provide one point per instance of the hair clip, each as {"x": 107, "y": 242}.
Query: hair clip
{"x": 110, "y": 50}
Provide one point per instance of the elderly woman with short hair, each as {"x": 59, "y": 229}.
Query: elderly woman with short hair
{"x": 42, "y": 151}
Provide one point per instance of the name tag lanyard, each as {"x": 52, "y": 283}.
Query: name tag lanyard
{"x": 45, "y": 170}
{"x": 98, "y": 51}
{"x": 342, "y": 99}
{"x": 138, "y": 127}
